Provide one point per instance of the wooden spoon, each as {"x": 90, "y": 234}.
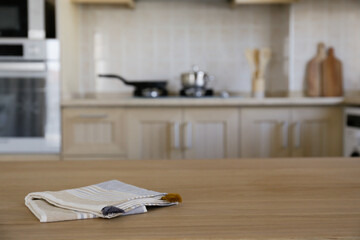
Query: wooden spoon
{"x": 250, "y": 56}
{"x": 265, "y": 56}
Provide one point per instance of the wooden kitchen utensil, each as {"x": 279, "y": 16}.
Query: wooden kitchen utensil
{"x": 250, "y": 56}
{"x": 265, "y": 55}
{"x": 258, "y": 61}
{"x": 314, "y": 72}
{"x": 262, "y": 59}
{"x": 332, "y": 75}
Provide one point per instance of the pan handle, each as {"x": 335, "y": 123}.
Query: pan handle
{"x": 114, "y": 76}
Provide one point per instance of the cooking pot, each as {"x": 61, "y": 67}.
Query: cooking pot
{"x": 195, "y": 79}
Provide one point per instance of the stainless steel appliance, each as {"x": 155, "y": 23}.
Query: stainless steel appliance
{"x": 195, "y": 83}
{"x": 29, "y": 96}
{"x": 31, "y": 19}
{"x": 352, "y": 132}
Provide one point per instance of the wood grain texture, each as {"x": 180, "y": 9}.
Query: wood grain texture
{"x": 29, "y": 157}
{"x": 316, "y": 132}
{"x": 332, "y": 76}
{"x": 223, "y": 199}
{"x": 93, "y": 131}
{"x": 262, "y": 132}
{"x": 150, "y": 134}
{"x": 214, "y": 133}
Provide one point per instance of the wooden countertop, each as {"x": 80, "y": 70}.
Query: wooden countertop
{"x": 223, "y": 199}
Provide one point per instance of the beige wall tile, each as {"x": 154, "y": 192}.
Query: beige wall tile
{"x": 334, "y": 22}
{"x": 162, "y": 39}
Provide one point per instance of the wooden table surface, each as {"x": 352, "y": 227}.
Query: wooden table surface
{"x": 235, "y": 199}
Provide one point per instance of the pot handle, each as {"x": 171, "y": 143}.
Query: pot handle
{"x": 114, "y": 76}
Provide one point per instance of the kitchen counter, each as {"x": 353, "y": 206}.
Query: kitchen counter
{"x": 353, "y": 101}
{"x": 223, "y": 199}
{"x": 197, "y": 102}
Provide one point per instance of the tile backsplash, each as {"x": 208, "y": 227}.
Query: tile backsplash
{"x": 162, "y": 39}
{"x": 333, "y": 22}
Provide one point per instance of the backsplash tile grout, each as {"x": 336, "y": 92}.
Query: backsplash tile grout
{"x": 161, "y": 39}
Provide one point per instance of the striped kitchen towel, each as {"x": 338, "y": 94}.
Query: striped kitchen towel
{"x": 105, "y": 200}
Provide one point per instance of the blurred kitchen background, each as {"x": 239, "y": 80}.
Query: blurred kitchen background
{"x": 214, "y": 79}
{"x": 161, "y": 39}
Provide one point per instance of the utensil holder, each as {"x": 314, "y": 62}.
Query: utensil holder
{"x": 258, "y": 88}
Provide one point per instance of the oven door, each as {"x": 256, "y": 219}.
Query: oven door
{"x": 29, "y": 107}
{"x": 22, "y": 19}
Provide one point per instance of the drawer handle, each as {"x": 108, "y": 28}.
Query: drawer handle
{"x": 175, "y": 131}
{"x": 188, "y": 135}
{"x": 297, "y": 134}
{"x": 285, "y": 127}
{"x": 93, "y": 116}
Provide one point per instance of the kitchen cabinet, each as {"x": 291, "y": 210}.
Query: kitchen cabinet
{"x": 210, "y": 133}
{"x": 128, "y": 3}
{"x": 185, "y": 132}
{"x": 154, "y": 133}
{"x": 264, "y": 132}
{"x": 197, "y": 133}
{"x": 93, "y": 132}
{"x": 285, "y": 132}
{"x": 316, "y": 132}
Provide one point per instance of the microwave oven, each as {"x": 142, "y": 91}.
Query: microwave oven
{"x": 29, "y": 19}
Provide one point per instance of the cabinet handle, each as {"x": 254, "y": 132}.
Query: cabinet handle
{"x": 188, "y": 135}
{"x": 285, "y": 127}
{"x": 93, "y": 116}
{"x": 297, "y": 134}
{"x": 175, "y": 131}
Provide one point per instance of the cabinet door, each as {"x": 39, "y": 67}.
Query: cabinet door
{"x": 210, "y": 133}
{"x": 93, "y": 131}
{"x": 264, "y": 132}
{"x": 316, "y": 132}
{"x": 154, "y": 133}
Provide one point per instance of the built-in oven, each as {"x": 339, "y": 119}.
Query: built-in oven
{"x": 31, "y": 19}
{"x": 29, "y": 96}
{"x": 352, "y": 132}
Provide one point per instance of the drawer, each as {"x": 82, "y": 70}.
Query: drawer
{"x": 93, "y": 131}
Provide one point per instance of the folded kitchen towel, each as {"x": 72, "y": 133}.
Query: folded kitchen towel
{"x": 105, "y": 200}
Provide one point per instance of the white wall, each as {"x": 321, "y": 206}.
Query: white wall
{"x": 161, "y": 39}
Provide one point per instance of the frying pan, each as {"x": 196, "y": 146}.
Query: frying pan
{"x": 137, "y": 84}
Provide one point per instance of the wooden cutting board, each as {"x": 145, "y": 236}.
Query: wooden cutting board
{"x": 332, "y": 75}
{"x": 314, "y": 73}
